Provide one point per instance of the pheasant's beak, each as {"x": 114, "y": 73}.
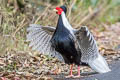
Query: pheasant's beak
{"x": 55, "y": 10}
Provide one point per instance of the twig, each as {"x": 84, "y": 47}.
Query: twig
{"x": 61, "y": 2}
{"x": 1, "y": 18}
{"x": 20, "y": 27}
{"x": 89, "y": 16}
{"x": 37, "y": 2}
{"x": 16, "y": 5}
{"x": 70, "y": 8}
{"x": 79, "y": 14}
{"x": 42, "y": 14}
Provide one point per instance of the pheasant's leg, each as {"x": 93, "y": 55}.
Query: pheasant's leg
{"x": 70, "y": 75}
{"x": 78, "y": 76}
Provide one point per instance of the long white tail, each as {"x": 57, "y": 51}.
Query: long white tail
{"x": 99, "y": 65}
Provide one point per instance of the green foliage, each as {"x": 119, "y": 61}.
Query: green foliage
{"x": 94, "y": 2}
{"x": 11, "y": 66}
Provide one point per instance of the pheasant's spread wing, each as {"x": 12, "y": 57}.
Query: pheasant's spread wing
{"x": 89, "y": 50}
{"x": 40, "y": 37}
{"x": 87, "y": 44}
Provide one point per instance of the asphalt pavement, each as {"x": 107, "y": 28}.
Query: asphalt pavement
{"x": 112, "y": 75}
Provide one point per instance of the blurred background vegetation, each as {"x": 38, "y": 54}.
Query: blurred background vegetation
{"x": 16, "y": 15}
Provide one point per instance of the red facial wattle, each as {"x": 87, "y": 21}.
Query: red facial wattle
{"x": 59, "y": 10}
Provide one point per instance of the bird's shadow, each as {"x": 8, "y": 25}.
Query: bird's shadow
{"x": 62, "y": 76}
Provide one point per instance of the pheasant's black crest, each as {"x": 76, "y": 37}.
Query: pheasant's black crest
{"x": 64, "y": 8}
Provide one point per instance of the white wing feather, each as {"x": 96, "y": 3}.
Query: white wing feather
{"x": 39, "y": 38}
